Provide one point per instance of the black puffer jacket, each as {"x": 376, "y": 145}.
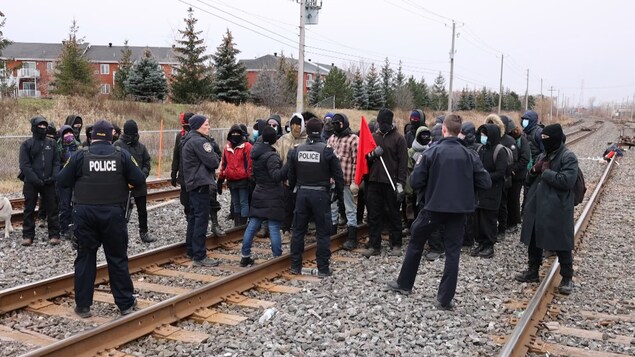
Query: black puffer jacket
{"x": 139, "y": 152}
{"x": 491, "y": 198}
{"x": 267, "y": 200}
{"x": 39, "y": 158}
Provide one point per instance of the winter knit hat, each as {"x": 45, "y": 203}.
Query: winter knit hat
{"x": 130, "y": 127}
{"x": 556, "y": 136}
{"x": 102, "y": 130}
{"x": 385, "y": 116}
{"x": 328, "y": 116}
{"x": 269, "y": 135}
{"x": 314, "y": 127}
{"x": 197, "y": 121}
{"x": 415, "y": 116}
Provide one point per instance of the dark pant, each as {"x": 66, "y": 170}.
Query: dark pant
{"x": 502, "y": 211}
{"x": 197, "y": 222}
{"x": 316, "y": 206}
{"x": 105, "y": 225}
{"x": 184, "y": 197}
{"x": 513, "y": 203}
{"x": 382, "y": 204}
{"x": 486, "y": 227}
{"x": 426, "y": 223}
{"x": 435, "y": 242}
{"x": 470, "y": 229}
{"x": 65, "y": 196}
{"x": 214, "y": 206}
{"x": 49, "y": 201}
{"x": 565, "y": 257}
{"x": 142, "y": 211}
{"x": 361, "y": 205}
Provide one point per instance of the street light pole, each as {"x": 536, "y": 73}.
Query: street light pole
{"x": 299, "y": 100}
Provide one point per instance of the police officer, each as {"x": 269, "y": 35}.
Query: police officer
{"x": 198, "y": 167}
{"x": 311, "y": 167}
{"x": 100, "y": 176}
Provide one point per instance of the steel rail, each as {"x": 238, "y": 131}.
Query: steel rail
{"x": 142, "y": 322}
{"x": 518, "y": 342}
{"x": 23, "y": 295}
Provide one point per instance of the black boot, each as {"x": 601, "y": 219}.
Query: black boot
{"x": 217, "y": 231}
{"x": 243, "y": 221}
{"x": 334, "y": 229}
{"x": 529, "y": 276}
{"x": 351, "y": 241}
{"x": 236, "y": 219}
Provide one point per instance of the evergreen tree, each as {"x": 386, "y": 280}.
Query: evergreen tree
{"x": 6, "y": 86}
{"x": 482, "y": 101}
{"x": 531, "y": 102}
{"x": 464, "y": 102}
{"x": 471, "y": 98}
{"x": 193, "y": 81}
{"x": 359, "y": 95}
{"x": 73, "y": 73}
{"x": 146, "y": 81}
{"x": 125, "y": 64}
{"x": 374, "y": 89}
{"x": 336, "y": 85}
{"x": 315, "y": 91}
{"x": 230, "y": 77}
{"x": 439, "y": 96}
{"x": 387, "y": 85}
{"x": 419, "y": 92}
{"x": 400, "y": 78}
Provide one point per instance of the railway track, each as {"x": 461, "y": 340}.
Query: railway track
{"x": 158, "y": 317}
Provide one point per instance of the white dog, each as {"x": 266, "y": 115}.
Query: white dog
{"x": 5, "y": 215}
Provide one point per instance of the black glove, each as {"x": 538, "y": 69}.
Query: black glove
{"x": 377, "y": 152}
{"x": 173, "y": 178}
{"x": 39, "y": 183}
{"x": 219, "y": 186}
{"x": 49, "y": 180}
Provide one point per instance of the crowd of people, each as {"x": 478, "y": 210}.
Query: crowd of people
{"x": 450, "y": 184}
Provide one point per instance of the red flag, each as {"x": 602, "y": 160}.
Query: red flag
{"x": 366, "y": 144}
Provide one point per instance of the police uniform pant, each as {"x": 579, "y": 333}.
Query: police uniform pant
{"x": 184, "y": 198}
{"x": 105, "y": 225}
{"x": 502, "y": 211}
{"x": 470, "y": 229}
{"x": 142, "y": 210}
{"x": 426, "y": 223}
{"x": 435, "y": 242}
{"x": 49, "y": 202}
{"x": 513, "y": 203}
{"x": 316, "y": 205}
{"x": 65, "y": 196}
{"x": 565, "y": 257}
{"x": 197, "y": 223}
{"x": 485, "y": 233}
{"x": 382, "y": 204}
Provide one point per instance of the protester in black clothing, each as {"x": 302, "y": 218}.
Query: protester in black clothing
{"x": 39, "y": 163}
{"x": 129, "y": 141}
{"x": 89, "y": 130}
{"x": 76, "y": 122}
{"x": 468, "y": 135}
{"x": 446, "y": 177}
{"x": 417, "y": 119}
{"x": 100, "y": 177}
{"x": 116, "y": 132}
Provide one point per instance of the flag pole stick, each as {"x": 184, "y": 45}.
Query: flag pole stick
{"x": 387, "y": 174}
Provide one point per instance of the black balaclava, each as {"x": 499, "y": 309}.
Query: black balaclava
{"x": 117, "y": 133}
{"x": 39, "y": 133}
{"x": 416, "y": 119}
{"x": 424, "y": 137}
{"x": 340, "y": 123}
{"x": 235, "y": 135}
{"x": 384, "y": 119}
{"x": 555, "y": 139}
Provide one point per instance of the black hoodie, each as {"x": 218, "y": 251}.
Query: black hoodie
{"x": 73, "y": 119}
{"x": 490, "y": 199}
{"x": 39, "y": 159}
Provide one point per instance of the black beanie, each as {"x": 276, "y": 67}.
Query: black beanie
{"x": 269, "y": 135}
{"x": 197, "y": 121}
{"x": 130, "y": 127}
{"x": 102, "y": 130}
{"x": 385, "y": 116}
{"x": 556, "y": 136}
{"x": 314, "y": 127}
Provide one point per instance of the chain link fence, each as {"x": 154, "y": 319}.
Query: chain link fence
{"x": 160, "y": 146}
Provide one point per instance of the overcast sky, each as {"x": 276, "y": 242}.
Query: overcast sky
{"x": 564, "y": 42}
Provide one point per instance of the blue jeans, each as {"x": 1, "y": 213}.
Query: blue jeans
{"x": 240, "y": 201}
{"x": 274, "y": 234}
{"x": 349, "y": 208}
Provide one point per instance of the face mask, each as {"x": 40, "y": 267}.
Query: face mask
{"x": 255, "y": 134}
{"x": 68, "y": 138}
{"x": 551, "y": 144}
{"x": 525, "y": 123}
{"x": 337, "y": 127}
{"x": 483, "y": 139}
{"x": 236, "y": 139}
{"x": 424, "y": 140}
{"x": 385, "y": 127}
{"x": 415, "y": 124}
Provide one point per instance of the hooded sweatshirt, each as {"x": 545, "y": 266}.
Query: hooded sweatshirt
{"x": 39, "y": 158}
{"x": 417, "y": 148}
{"x": 289, "y": 141}
{"x": 344, "y": 144}
{"x": 490, "y": 199}
{"x": 66, "y": 148}
{"x": 73, "y": 119}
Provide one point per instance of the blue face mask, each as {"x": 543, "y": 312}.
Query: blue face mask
{"x": 525, "y": 123}
{"x": 483, "y": 139}
{"x": 255, "y": 134}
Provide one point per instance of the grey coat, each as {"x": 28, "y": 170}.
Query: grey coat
{"x": 549, "y": 204}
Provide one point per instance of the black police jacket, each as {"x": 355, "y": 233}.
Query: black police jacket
{"x": 198, "y": 161}
{"x": 141, "y": 156}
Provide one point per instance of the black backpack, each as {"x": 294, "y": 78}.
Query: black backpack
{"x": 579, "y": 189}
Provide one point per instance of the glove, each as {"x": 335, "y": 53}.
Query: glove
{"x": 219, "y": 187}
{"x": 400, "y": 193}
{"x": 354, "y": 188}
{"x": 48, "y": 180}
{"x": 537, "y": 168}
{"x": 39, "y": 183}
{"x": 545, "y": 166}
{"x": 377, "y": 152}
{"x": 173, "y": 178}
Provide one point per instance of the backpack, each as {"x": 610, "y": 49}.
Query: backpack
{"x": 509, "y": 160}
{"x": 579, "y": 189}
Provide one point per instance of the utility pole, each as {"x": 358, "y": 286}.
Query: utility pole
{"x": 299, "y": 100}
{"x": 551, "y": 100}
{"x": 632, "y": 107}
{"x": 558, "y": 105}
{"x": 527, "y": 92}
{"x": 500, "y": 95}
{"x": 451, "y": 68}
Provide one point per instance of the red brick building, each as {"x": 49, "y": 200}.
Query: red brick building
{"x": 31, "y": 66}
